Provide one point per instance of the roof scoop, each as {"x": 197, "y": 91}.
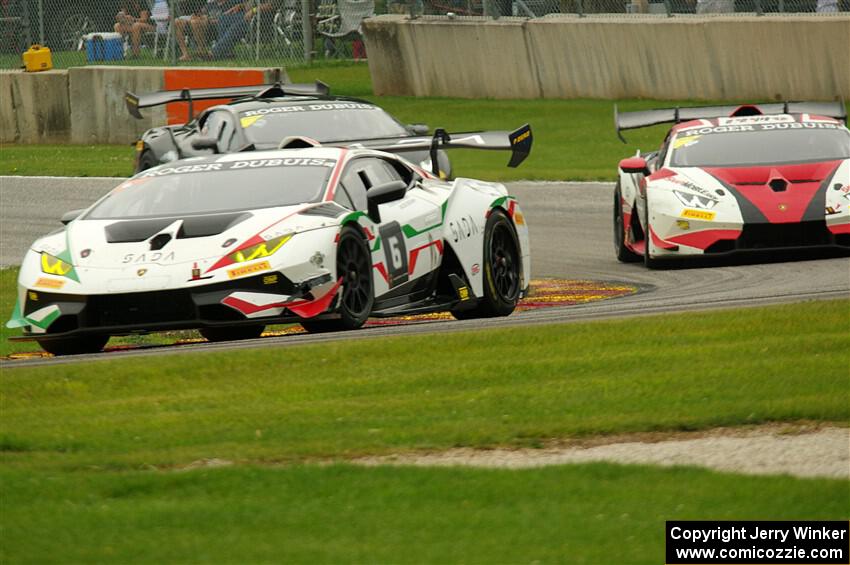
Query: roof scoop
{"x": 777, "y": 182}
{"x": 162, "y": 239}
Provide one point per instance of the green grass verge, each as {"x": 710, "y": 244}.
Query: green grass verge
{"x": 502, "y": 387}
{"x": 342, "y": 514}
{"x": 574, "y": 139}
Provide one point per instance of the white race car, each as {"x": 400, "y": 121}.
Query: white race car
{"x": 735, "y": 178}
{"x": 322, "y": 236}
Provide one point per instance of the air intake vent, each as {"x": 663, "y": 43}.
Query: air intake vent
{"x": 778, "y": 185}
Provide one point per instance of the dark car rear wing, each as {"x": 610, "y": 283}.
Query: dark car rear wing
{"x": 136, "y": 102}
{"x": 518, "y": 142}
{"x": 645, "y": 118}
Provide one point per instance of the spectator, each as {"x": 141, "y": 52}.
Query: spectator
{"x": 198, "y": 21}
{"x": 133, "y": 19}
{"x": 825, "y": 6}
{"x": 234, "y": 23}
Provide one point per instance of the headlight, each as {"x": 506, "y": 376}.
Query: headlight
{"x": 259, "y": 250}
{"x": 695, "y": 200}
{"x": 55, "y": 266}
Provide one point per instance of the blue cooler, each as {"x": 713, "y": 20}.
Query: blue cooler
{"x": 107, "y": 46}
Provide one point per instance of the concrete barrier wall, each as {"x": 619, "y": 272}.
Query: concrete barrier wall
{"x": 34, "y": 108}
{"x": 680, "y": 58}
{"x": 86, "y": 104}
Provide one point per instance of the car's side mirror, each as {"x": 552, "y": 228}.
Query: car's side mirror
{"x": 205, "y": 143}
{"x": 382, "y": 193}
{"x": 69, "y": 217}
{"x": 634, "y": 165}
{"x": 418, "y": 129}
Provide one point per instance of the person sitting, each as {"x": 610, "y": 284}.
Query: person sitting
{"x": 133, "y": 19}
{"x": 234, "y": 23}
{"x": 198, "y": 21}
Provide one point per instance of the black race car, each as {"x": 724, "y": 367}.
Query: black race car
{"x": 271, "y": 117}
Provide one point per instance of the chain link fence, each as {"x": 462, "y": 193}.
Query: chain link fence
{"x": 282, "y": 32}
{"x": 192, "y": 32}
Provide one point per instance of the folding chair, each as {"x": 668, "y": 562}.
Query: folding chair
{"x": 344, "y": 23}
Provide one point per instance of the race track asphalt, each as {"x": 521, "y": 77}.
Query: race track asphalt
{"x": 570, "y": 225}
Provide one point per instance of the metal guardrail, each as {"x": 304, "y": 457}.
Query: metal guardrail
{"x": 284, "y": 32}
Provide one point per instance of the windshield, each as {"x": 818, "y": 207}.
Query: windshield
{"x": 329, "y": 121}
{"x": 206, "y": 188}
{"x": 760, "y": 144}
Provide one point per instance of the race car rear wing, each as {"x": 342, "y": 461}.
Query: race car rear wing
{"x": 645, "y": 118}
{"x": 136, "y": 102}
{"x": 518, "y": 142}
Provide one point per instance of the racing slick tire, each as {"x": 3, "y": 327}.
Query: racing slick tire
{"x": 624, "y": 254}
{"x": 232, "y": 333}
{"x": 501, "y": 270}
{"x": 74, "y": 345}
{"x": 354, "y": 266}
{"x": 147, "y": 160}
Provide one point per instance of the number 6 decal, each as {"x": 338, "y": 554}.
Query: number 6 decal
{"x": 396, "y": 253}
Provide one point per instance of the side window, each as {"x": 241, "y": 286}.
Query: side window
{"x": 353, "y": 187}
{"x": 219, "y": 125}
{"x": 341, "y": 197}
{"x": 363, "y": 174}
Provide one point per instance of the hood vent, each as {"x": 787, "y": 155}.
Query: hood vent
{"x": 778, "y": 185}
{"x": 132, "y": 231}
{"x": 159, "y": 241}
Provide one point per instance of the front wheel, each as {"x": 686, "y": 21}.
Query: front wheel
{"x": 354, "y": 267}
{"x": 232, "y": 333}
{"x": 502, "y": 266}
{"x": 74, "y": 345}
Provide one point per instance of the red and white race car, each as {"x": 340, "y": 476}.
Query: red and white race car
{"x": 735, "y": 178}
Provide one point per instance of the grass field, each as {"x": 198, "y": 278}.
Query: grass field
{"x": 344, "y": 514}
{"x": 91, "y": 453}
{"x": 574, "y": 139}
{"x": 501, "y": 387}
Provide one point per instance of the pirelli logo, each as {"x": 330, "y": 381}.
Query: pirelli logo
{"x": 522, "y": 137}
{"x": 706, "y": 215}
{"x": 249, "y": 269}
{"x": 50, "y": 283}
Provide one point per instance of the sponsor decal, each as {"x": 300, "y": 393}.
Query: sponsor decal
{"x": 50, "y": 283}
{"x": 685, "y": 141}
{"x": 85, "y": 253}
{"x": 782, "y": 207}
{"x": 521, "y": 137}
{"x": 270, "y": 279}
{"x": 140, "y": 146}
{"x": 683, "y": 224}
{"x": 196, "y": 272}
{"x": 309, "y": 108}
{"x": 705, "y": 215}
{"x": 248, "y": 121}
{"x": 463, "y": 293}
{"x": 318, "y": 258}
{"x": 476, "y": 268}
{"x": 758, "y": 127}
{"x": 463, "y": 228}
{"x": 519, "y": 219}
{"x": 249, "y": 269}
{"x": 750, "y": 120}
{"x": 141, "y": 272}
{"x": 242, "y": 164}
{"x": 830, "y": 210}
{"x": 154, "y": 257}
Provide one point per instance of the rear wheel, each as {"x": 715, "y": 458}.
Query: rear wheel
{"x": 624, "y": 254}
{"x": 74, "y": 345}
{"x": 501, "y": 270}
{"x": 354, "y": 266}
{"x": 232, "y": 333}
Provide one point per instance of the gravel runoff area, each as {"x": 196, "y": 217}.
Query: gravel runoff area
{"x": 800, "y": 450}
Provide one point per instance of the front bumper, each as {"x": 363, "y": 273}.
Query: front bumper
{"x": 178, "y": 309}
